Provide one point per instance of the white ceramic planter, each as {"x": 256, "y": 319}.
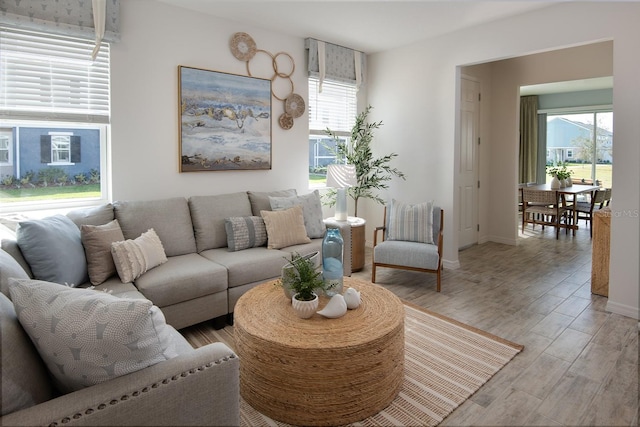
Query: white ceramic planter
{"x": 305, "y": 309}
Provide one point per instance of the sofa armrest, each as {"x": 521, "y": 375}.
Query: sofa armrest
{"x": 197, "y": 388}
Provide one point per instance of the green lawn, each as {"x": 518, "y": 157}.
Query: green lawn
{"x": 315, "y": 178}
{"x": 603, "y": 172}
{"x": 8, "y": 195}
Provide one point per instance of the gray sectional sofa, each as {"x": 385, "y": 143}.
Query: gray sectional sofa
{"x": 202, "y": 279}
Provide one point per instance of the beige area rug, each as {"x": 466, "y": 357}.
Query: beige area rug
{"x": 445, "y": 363}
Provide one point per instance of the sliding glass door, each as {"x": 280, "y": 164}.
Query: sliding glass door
{"x": 584, "y": 141}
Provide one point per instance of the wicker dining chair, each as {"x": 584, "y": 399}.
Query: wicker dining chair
{"x": 543, "y": 207}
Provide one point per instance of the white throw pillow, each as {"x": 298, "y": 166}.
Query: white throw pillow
{"x": 85, "y": 336}
{"x": 135, "y": 257}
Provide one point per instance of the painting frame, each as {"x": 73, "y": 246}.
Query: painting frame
{"x": 224, "y": 121}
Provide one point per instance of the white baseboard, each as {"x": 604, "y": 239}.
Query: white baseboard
{"x": 623, "y": 309}
{"x": 451, "y": 265}
{"x": 497, "y": 239}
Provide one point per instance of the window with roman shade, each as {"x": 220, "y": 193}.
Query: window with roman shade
{"x": 335, "y": 75}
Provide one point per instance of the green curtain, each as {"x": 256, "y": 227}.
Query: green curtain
{"x": 528, "y": 138}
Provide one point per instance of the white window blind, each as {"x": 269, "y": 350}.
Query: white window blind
{"x": 334, "y": 108}
{"x": 46, "y": 77}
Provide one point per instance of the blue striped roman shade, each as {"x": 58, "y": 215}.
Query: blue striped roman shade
{"x": 411, "y": 222}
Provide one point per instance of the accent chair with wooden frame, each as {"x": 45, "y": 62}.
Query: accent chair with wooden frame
{"x": 407, "y": 254}
{"x": 543, "y": 207}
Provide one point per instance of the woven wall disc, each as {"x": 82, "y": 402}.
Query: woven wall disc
{"x": 294, "y": 105}
{"x": 286, "y": 121}
{"x": 242, "y": 46}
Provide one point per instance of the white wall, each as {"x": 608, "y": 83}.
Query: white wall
{"x": 156, "y": 39}
{"x": 414, "y": 90}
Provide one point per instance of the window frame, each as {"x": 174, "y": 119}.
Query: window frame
{"x": 343, "y": 122}
{"x": 79, "y": 75}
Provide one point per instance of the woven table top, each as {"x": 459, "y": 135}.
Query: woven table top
{"x": 266, "y": 313}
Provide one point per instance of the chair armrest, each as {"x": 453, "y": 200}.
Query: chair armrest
{"x": 375, "y": 234}
{"x": 196, "y": 388}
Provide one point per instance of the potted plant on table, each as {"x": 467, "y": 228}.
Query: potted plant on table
{"x": 302, "y": 277}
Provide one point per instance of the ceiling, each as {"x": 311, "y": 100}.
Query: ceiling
{"x": 365, "y": 25}
{"x": 377, "y": 25}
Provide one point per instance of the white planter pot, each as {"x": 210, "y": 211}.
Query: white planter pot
{"x": 555, "y": 183}
{"x": 305, "y": 309}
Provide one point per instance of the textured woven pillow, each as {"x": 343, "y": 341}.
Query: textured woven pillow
{"x": 411, "y": 223}
{"x": 53, "y": 249}
{"x": 285, "y": 228}
{"x": 97, "y": 240}
{"x": 132, "y": 258}
{"x": 245, "y": 232}
{"x": 86, "y": 337}
{"x": 311, "y": 210}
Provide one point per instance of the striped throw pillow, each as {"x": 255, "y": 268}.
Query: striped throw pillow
{"x": 244, "y": 232}
{"x": 411, "y": 222}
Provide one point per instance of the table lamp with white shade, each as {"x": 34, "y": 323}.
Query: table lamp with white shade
{"x": 341, "y": 177}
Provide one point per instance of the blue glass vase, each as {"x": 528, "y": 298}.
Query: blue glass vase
{"x": 332, "y": 268}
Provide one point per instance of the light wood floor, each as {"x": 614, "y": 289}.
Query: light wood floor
{"x": 580, "y": 363}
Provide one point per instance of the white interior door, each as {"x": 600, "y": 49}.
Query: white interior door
{"x": 468, "y": 168}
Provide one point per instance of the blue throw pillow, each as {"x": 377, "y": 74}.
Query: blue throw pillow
{"x": 53, "y": 248}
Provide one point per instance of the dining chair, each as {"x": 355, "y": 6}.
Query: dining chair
{"x": 543, "y": 207}
{"x": 409, "y": 243}
{"x": 584, "y": 210}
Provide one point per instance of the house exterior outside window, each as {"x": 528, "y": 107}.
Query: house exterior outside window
{"x": 56, "y": 121}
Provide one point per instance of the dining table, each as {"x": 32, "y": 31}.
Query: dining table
{"x": 572, "y": 190}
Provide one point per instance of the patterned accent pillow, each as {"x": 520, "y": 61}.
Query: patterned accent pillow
{"x": 285, "y": 228}
{"x": 135, "y": 257}
{"x": 53, "y": 249}
{"x": 311, "y": 210}
{"x": 245, "y": 232}
{"x": 86, "y": 337}
{"x": 412, "y": 223}
{"x": 97, "y": 240}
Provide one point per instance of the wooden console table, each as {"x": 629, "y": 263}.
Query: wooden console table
{"x": 319, "y": 371}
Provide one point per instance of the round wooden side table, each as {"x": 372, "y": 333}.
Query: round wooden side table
{"x": 319, "y": 371}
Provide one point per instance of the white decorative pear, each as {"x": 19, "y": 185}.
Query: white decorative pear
{"x": 336, "y": 307}
{"x": 352, "y": 298}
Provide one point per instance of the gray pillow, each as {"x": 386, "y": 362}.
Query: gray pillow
{"x": 86, "y": 337}
{"x": 25, "y": 381}
{"x": 53, "y": 248}
{"x": 260, "y": 200}
{"x": 245, "y": 232}
{"x": 311, "y": 210}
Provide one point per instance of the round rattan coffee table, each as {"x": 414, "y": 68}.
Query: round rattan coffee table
{"x": 319, "y": 371}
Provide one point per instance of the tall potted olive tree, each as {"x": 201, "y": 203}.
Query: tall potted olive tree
{"x": 371, "y": 173}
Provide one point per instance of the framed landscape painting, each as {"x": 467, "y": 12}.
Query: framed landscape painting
{"x": 225, "y": 121}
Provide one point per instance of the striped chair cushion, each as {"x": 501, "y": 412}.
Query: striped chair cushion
{"x": 411, "y": 222}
